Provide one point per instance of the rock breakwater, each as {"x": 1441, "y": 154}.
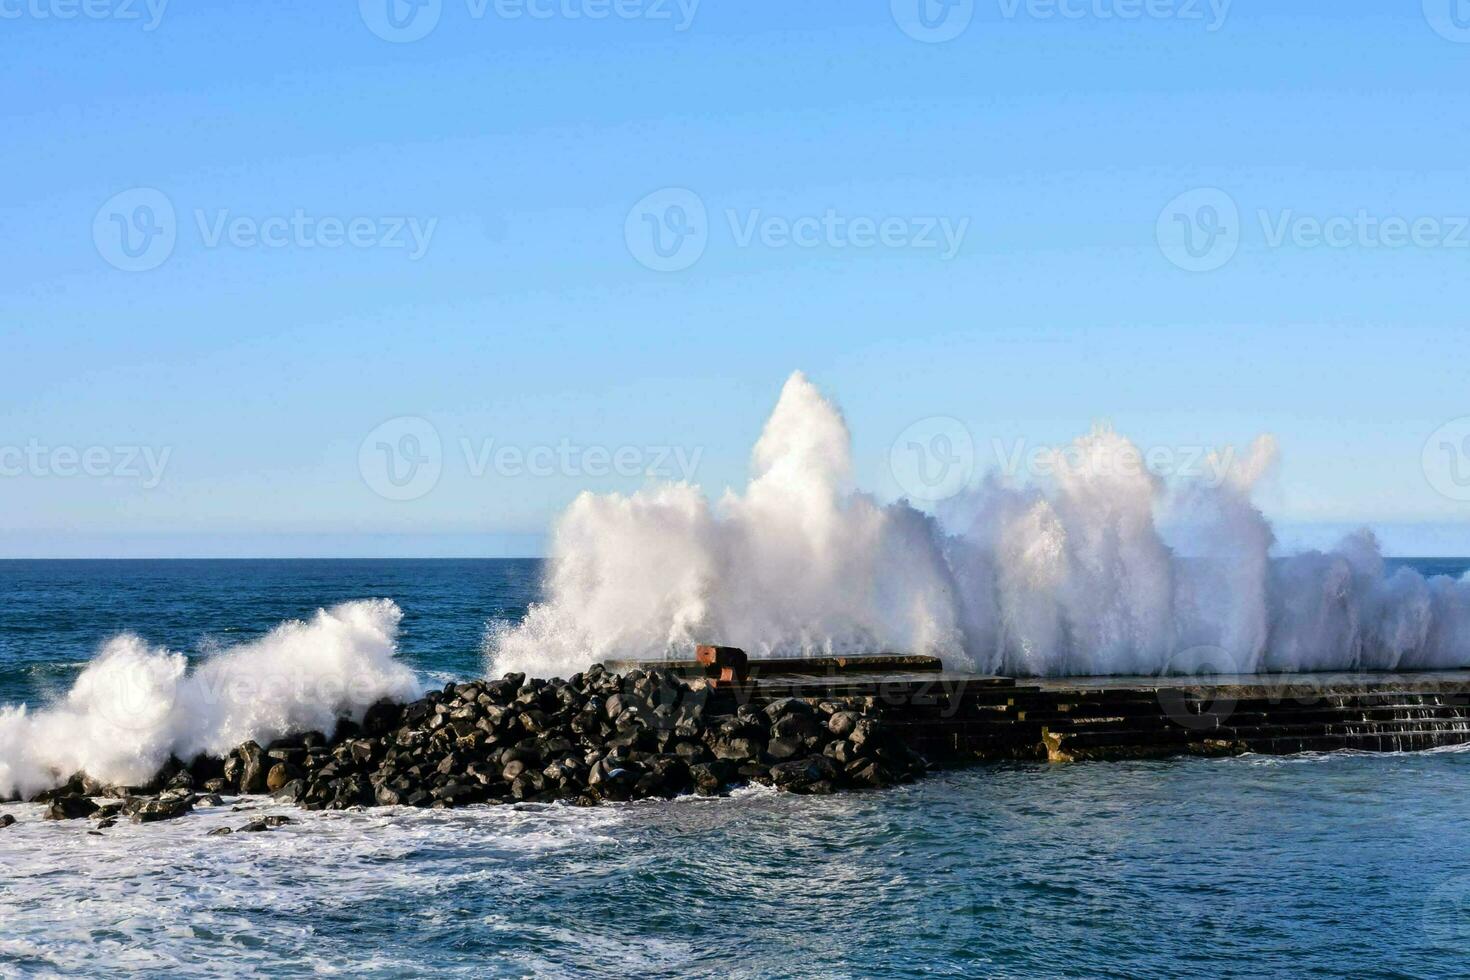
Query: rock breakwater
{"x": 597, "y": 737}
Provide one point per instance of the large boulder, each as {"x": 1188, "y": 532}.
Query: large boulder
{"x": 70, "y": 808}
{"x": 805, "y": 775}
{"x": 246, "y": 768}
{"x": 166, "y": 806}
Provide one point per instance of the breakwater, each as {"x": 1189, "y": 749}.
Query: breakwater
{"x": 959, "y": 718}
{"x": 625, "y": 731}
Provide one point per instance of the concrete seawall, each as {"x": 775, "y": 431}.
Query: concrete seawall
{"x": 956, "y": 718}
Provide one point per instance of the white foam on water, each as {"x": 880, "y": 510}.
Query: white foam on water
{"x": 165, "y": 897}
{"x": 135, "y": 705}
{"x": 1104, "y": 568}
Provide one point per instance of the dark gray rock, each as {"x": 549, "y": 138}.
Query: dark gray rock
{"x": 168, "y": 806}
{"x": 70, "y": 808}
{"x": 736, "y": 749}
{"x": 782, "y": 749}
{"x": 803, "y": 774}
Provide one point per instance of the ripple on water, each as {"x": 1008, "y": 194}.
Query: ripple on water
{"x": 1198, "y": 867}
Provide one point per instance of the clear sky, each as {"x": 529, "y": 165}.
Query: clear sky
{"x": 241, "y": 235}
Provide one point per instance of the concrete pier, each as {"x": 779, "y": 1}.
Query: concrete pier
{"x": 954, "y": 718}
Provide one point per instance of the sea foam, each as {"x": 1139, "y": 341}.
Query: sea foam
{"x": 135, "y": 705}
{"x": 1102, "y": 568}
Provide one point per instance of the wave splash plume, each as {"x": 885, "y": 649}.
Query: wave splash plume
{"x": 135, "y": 704}
{"x": 1105, "y": 569}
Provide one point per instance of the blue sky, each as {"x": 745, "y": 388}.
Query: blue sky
{"x": 255, "y": 357}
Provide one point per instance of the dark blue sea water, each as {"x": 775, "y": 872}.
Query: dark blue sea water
{"x": 1341, "y": 865}
{"x": 55, "y": 614}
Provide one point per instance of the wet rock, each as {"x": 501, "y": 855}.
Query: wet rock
{"x": 106, "y": 823}
{"x": 280, "y": 774}
{"x": 220, "y": 832}
{"x": 6, "y": 820}
{"x": 865, "y": 735}
{"x": 72, "y": 787}
{"x": 736, "y": 749}
{"x": 246, "y": 768}
{"x": 291, "y": 792}
{"x": 782, "y": 749}
{"x": 710, "y": 778}
{"x": 70, "y": 808}
{"x": 255, "y": 827}
{"x": 804, "y": 774}
{"x": 168, "y": 806}
{"x": 842, "y": 723}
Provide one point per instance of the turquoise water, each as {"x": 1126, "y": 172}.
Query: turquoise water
{"x": 1312, "y": 866}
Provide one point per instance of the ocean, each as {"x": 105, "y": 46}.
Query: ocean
{"x": 1310, "y": 866}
